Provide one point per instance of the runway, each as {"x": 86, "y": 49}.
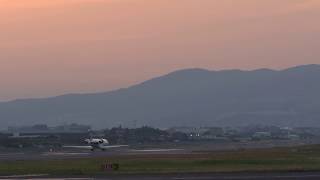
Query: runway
{"x": 136, "y": 153}
{"x": 173, "y": 176}
{"x": 64, "y": 154}
{"x": 181, "y": 149}
{"x": 188, "y": 176}
{"x": 228, "y": 176}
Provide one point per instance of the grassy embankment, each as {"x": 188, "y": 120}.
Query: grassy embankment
{"x": 277, "y": 159}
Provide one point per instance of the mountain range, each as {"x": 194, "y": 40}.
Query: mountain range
{"x": 190, "y": 97}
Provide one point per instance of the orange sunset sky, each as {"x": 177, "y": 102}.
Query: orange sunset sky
{"x": 53, "y": 47}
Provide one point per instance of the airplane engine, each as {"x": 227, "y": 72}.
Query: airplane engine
{"x": 87, "y": 141}
{"x": 105, "y": 141}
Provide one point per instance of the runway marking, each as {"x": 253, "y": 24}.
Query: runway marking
{"x": 158, "y": 150}
{"x": 24, "y": 176}
{"x": 64, "y": 154}
{"x": 63, "y": 179}
{"x": 10, "y": 154}
{"x": 249, "y": 177}
{"x": 38, "y": 176}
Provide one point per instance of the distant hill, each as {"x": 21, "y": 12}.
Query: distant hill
{"x": 191, "y": 97}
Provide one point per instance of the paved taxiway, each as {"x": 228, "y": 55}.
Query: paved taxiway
{"x": 191, "y": 176}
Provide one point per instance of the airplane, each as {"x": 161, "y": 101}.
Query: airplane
{"x": 94, "y": 143}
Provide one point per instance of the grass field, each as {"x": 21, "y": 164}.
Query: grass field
{"x": 306, "y": 158}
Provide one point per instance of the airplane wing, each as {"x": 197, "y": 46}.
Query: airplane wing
{"x": 79, "y": 147}
{"x": 115, "y": 146}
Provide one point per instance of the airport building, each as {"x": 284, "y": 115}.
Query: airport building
{"x": 44, "y": 129}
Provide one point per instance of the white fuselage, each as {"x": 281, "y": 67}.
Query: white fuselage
{"x": 93, "y": 144}
{"x": 98, "y": 143}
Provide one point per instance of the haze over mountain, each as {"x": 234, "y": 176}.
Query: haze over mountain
{"x": 190, "y": 97}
